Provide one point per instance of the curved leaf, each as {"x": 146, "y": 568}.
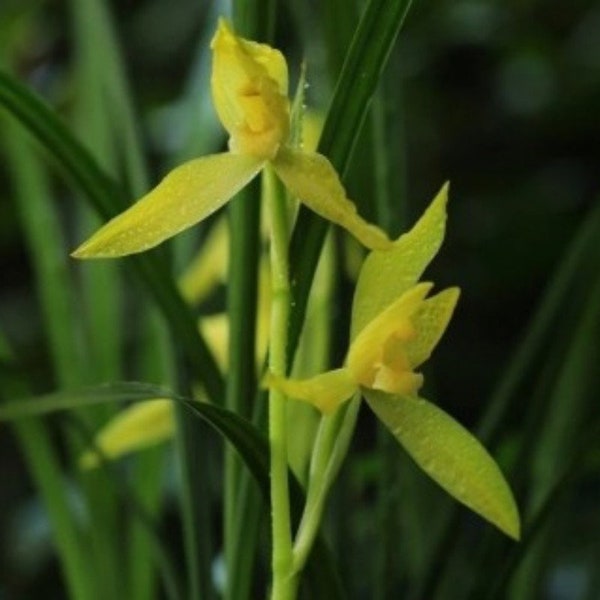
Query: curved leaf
{"x": 248, "y": 441}
{"x": 108, "y": 199}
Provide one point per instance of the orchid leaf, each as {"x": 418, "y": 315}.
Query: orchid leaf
{"x": 108, "y": 198}
{"x": 247, "y": 440}
{"x": 450, "y": 455}
{"x": 366, "y": 58}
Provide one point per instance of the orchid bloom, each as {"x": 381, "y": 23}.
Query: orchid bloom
{"x": 389, "y": 347}
{"x": 395, "y": 327}
{"x": 136, "y": 427}
{"x": 249, "y": 89}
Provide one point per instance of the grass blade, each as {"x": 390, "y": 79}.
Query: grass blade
{"x": 366, "y": 58}
{"x": 109, "y": 199}
{"x": 44, "y": 467}
{"x": 248, "y": 441}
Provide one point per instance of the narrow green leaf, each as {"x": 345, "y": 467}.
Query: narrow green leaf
{"x": 48, "y": 255}
{"x": 450, "y": 455}
{"x": 45, "y": 470}
{"x": 193, "y": 492}
{"x": 254, "y": 20}
{"x": 368, "y": 54}
{"x": 155, "y": 361}
{"x": 109, "y": 199}
{"x": 573, "y": 468}
{"x": 248, "y": 441}
{"x": 578, "y": 263}
{"x": 240, "y": 389}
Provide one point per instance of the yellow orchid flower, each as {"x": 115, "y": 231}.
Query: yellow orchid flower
{"x": 134, "y": 428}
{"x": 249, "y": 89}
{"x": 149, "y": 423}
{"x": 386, "y": 353}
{"x": 391, "y": 345}
{"x": 395, "y": 327}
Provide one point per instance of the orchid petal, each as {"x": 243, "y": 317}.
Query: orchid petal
{"x": 135, "y": 428}
{"x": 385, "y": 276}
{"x": 326, "y": 391}
{"x": 450, "y": 455}
{"x": 249, "y": 87}
{"x": 215, "y": 330}
{"x": 188, "y": 194}
{"x": 430, "y": 321}
{"x": 313, "y": 180}
{"x": 395, "y": 321}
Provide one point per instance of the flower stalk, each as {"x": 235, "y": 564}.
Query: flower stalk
{"x": 284, "y": 583}
{"x": 331, "y": 446}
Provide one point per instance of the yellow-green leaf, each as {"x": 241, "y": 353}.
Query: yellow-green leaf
{"x": 326, "y": 391}
{"x": 135, "y": 428}
{"x": 311, "y": 178}
{"x": 385, "y": 276}
{"x": 188, "y": 194}
{"x": 450, "y": 455}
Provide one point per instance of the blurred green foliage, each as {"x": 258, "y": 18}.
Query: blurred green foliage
{"x": 501, "y": 98}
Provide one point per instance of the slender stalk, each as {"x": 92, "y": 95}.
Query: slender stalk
{"x": 331, "y": 446}
{"x": 284, "y": 584}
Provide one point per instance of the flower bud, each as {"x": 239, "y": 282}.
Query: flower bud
{"x": 249, "y": 87}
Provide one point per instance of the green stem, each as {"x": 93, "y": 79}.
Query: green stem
{"x": 255, "y": 20}
{"x": 284, "y": 584}
{"x": 331, "y": 446}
